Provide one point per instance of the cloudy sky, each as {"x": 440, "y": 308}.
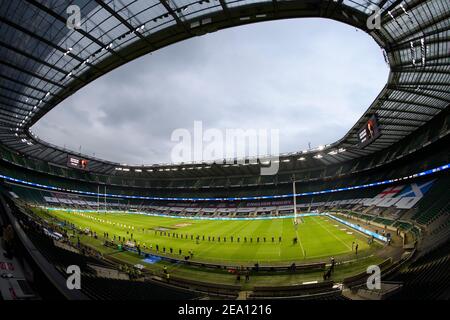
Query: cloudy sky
{"x": 311, "y": 79}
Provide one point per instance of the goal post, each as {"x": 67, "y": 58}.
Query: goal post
{"x": 295, "y": 200}
{"x": 297, "y": 219}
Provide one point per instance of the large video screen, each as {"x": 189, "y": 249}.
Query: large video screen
{"x": 369, "y": 132}
{"x": 78, "y": 163}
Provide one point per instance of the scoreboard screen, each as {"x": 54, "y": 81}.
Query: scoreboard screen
{"x": 78, "y": 163}
{"x": 369, "y": 132}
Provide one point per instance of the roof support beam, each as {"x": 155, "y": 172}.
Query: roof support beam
{"x": 30, "y": 149}
{"x": 11, "y": 107}
{"x": 4, "y": 126}
{"x": 407, "y": 45}
{"x": 398, "y": 130}
{"x": 412, "y": 102}
{"x": 9, "y": 120}
{"x": 21, "y": 83}
{"x": 80, "y": 31}
{"x": 406, "y": 111}
{"x": 13, "y": 115}
{"x": 382, "y": 3}
{"x": 123, "y": 21}
{"x": 18, "y": 101}
{"x": 226, "y": 9}
{"x": 403, "y": 119}
{"x": 424, "y": 84}
{"x": 22, "y": 94}
{"x": 391, "y": 7}
{"x": 39, "y": 38}
{"x": 415, "y": 87}
{"x": 174, "y": 15}
{"x": 420, "y": 94}
{"x": 432, "y": 22}
{"x": 395, "y": 5}
{"x": 31, "y": 57}
{"x": 419, "y": 70}
{"x": 275, "y": 5}
{"x": 12, "y": 144}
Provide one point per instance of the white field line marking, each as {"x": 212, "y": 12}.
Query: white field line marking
{"x": 332, "y": 234}
{"x": 300, "y": 242}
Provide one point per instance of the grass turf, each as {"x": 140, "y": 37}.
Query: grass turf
{"x": 319, "y": 236}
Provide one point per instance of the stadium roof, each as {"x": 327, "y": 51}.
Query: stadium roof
{"x": 43, "y": 61}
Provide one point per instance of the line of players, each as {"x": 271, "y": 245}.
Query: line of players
{"x": 199, "y": 238}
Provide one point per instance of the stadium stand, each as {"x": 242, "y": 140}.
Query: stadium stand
{"x": 93, "y": 286}
{"x": 112, "y": 289}
{"x": 435, "y": 204}
{"x": 397, "y": 182}
{"x": 296, "y": 290}
{"x": 427, "y": 278}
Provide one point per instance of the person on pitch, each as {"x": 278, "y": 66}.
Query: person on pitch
{"x": 333, "y": 263}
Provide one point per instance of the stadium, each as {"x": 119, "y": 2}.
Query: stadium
{"x": 366, "y": 217}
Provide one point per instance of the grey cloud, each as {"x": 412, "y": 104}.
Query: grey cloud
{"x": 311, "y": 79}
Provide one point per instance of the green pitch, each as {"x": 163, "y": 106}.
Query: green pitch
{"x": 318, "y": 236}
